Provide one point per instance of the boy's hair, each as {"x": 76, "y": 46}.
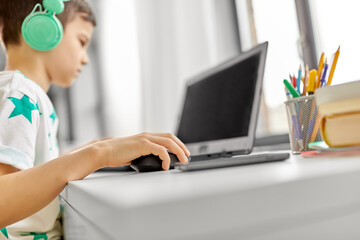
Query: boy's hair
{"x": 13, "y": 13}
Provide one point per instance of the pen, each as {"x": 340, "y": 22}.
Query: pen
{"x": 321, "y": 65}
{"x": 296, "y": 126}
{"x": 291, "y": 89}
{"x": 311, "y": 83}
{"x": 298, "y": 81}
{"x": 324, "y": 74}
{"x": 333, "y": 66}
{"x": 287, "y": 93}
{"x": 310, "y": 128}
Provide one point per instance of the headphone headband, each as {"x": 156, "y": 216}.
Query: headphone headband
{"x": 56, "y": 6}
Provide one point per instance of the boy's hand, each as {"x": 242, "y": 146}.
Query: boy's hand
{"x": 121, "y": 151}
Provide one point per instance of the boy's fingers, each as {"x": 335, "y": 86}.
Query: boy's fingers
{"x": 175, "y": 139}
{"x": 171, "y": 145}
{"x": 160, "y": 151}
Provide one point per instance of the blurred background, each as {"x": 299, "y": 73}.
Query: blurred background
{"x": 144, "y": 51}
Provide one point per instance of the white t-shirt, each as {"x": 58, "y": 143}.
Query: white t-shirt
{"x": 28, "y": 128}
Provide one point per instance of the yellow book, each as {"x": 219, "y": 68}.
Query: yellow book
{"x": 341, "y": 130}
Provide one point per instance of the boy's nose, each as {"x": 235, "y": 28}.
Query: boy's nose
{"x": 85, "y": 59}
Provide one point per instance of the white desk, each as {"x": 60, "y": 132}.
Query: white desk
{"x": 296, "y": 199}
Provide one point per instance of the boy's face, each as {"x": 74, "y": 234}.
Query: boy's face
{"x": 64, "y": 63}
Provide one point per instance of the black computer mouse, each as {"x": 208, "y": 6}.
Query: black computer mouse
{"x": 150, "y": 163}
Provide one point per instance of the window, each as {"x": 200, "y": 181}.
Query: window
{"x": 278, "y": 26}
{"x": 334, "y": 24}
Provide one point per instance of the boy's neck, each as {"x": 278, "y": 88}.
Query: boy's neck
{"x": 29, "y": 63}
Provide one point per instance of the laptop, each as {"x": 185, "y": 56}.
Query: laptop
{"x": 219, "y": 114}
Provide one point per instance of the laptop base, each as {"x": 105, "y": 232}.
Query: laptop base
{"x": 232, "y": 161}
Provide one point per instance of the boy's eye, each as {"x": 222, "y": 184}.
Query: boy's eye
{"x": 82, "y": 43}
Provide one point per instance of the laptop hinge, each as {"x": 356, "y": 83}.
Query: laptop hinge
{"x": 226, "y": 154}
{"x": 219, "y": 155}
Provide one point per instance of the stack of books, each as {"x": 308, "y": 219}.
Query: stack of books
{"x": 339, "y": 107}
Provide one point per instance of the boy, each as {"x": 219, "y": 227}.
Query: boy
{"x": 29, "y": 182}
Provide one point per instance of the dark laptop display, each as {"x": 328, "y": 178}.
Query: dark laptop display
{"x": 219, "y": 106}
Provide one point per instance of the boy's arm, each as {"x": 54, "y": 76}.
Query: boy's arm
{"x": 26, "y": 192}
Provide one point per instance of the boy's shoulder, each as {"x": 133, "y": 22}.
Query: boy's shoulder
{"x": 16, "y": 81}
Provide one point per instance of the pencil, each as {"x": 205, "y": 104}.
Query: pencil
{"x": 321, "y": 65}
{"x": 294, "y": 81}
{"x": 333, "y": 66}
{"x": 298, "y": 80}
{"x": 306, "y": 78}
{"x": 311, "y": 122}
{"x": 316, "y": 128}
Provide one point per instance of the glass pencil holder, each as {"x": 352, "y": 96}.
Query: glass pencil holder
{"x": 303, "y": 122}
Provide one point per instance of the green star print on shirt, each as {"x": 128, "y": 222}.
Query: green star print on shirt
{"x": 5, "y": 233}
{"x": 37, "y": 105}
{"x": 53, "y": 116}
{"x": 23, "y": 107}
{"x": 42, "y": 236}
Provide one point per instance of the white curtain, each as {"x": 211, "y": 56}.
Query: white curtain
{"x": 177, "y": 40}
{"x": 121, "y": 67}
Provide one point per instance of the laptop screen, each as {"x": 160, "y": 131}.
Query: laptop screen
{"x": 220, "y": 105}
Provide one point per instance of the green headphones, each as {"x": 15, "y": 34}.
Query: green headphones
{"x": 41, "y": 29}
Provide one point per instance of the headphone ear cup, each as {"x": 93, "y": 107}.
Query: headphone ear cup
{"x": 42, "y": 31}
